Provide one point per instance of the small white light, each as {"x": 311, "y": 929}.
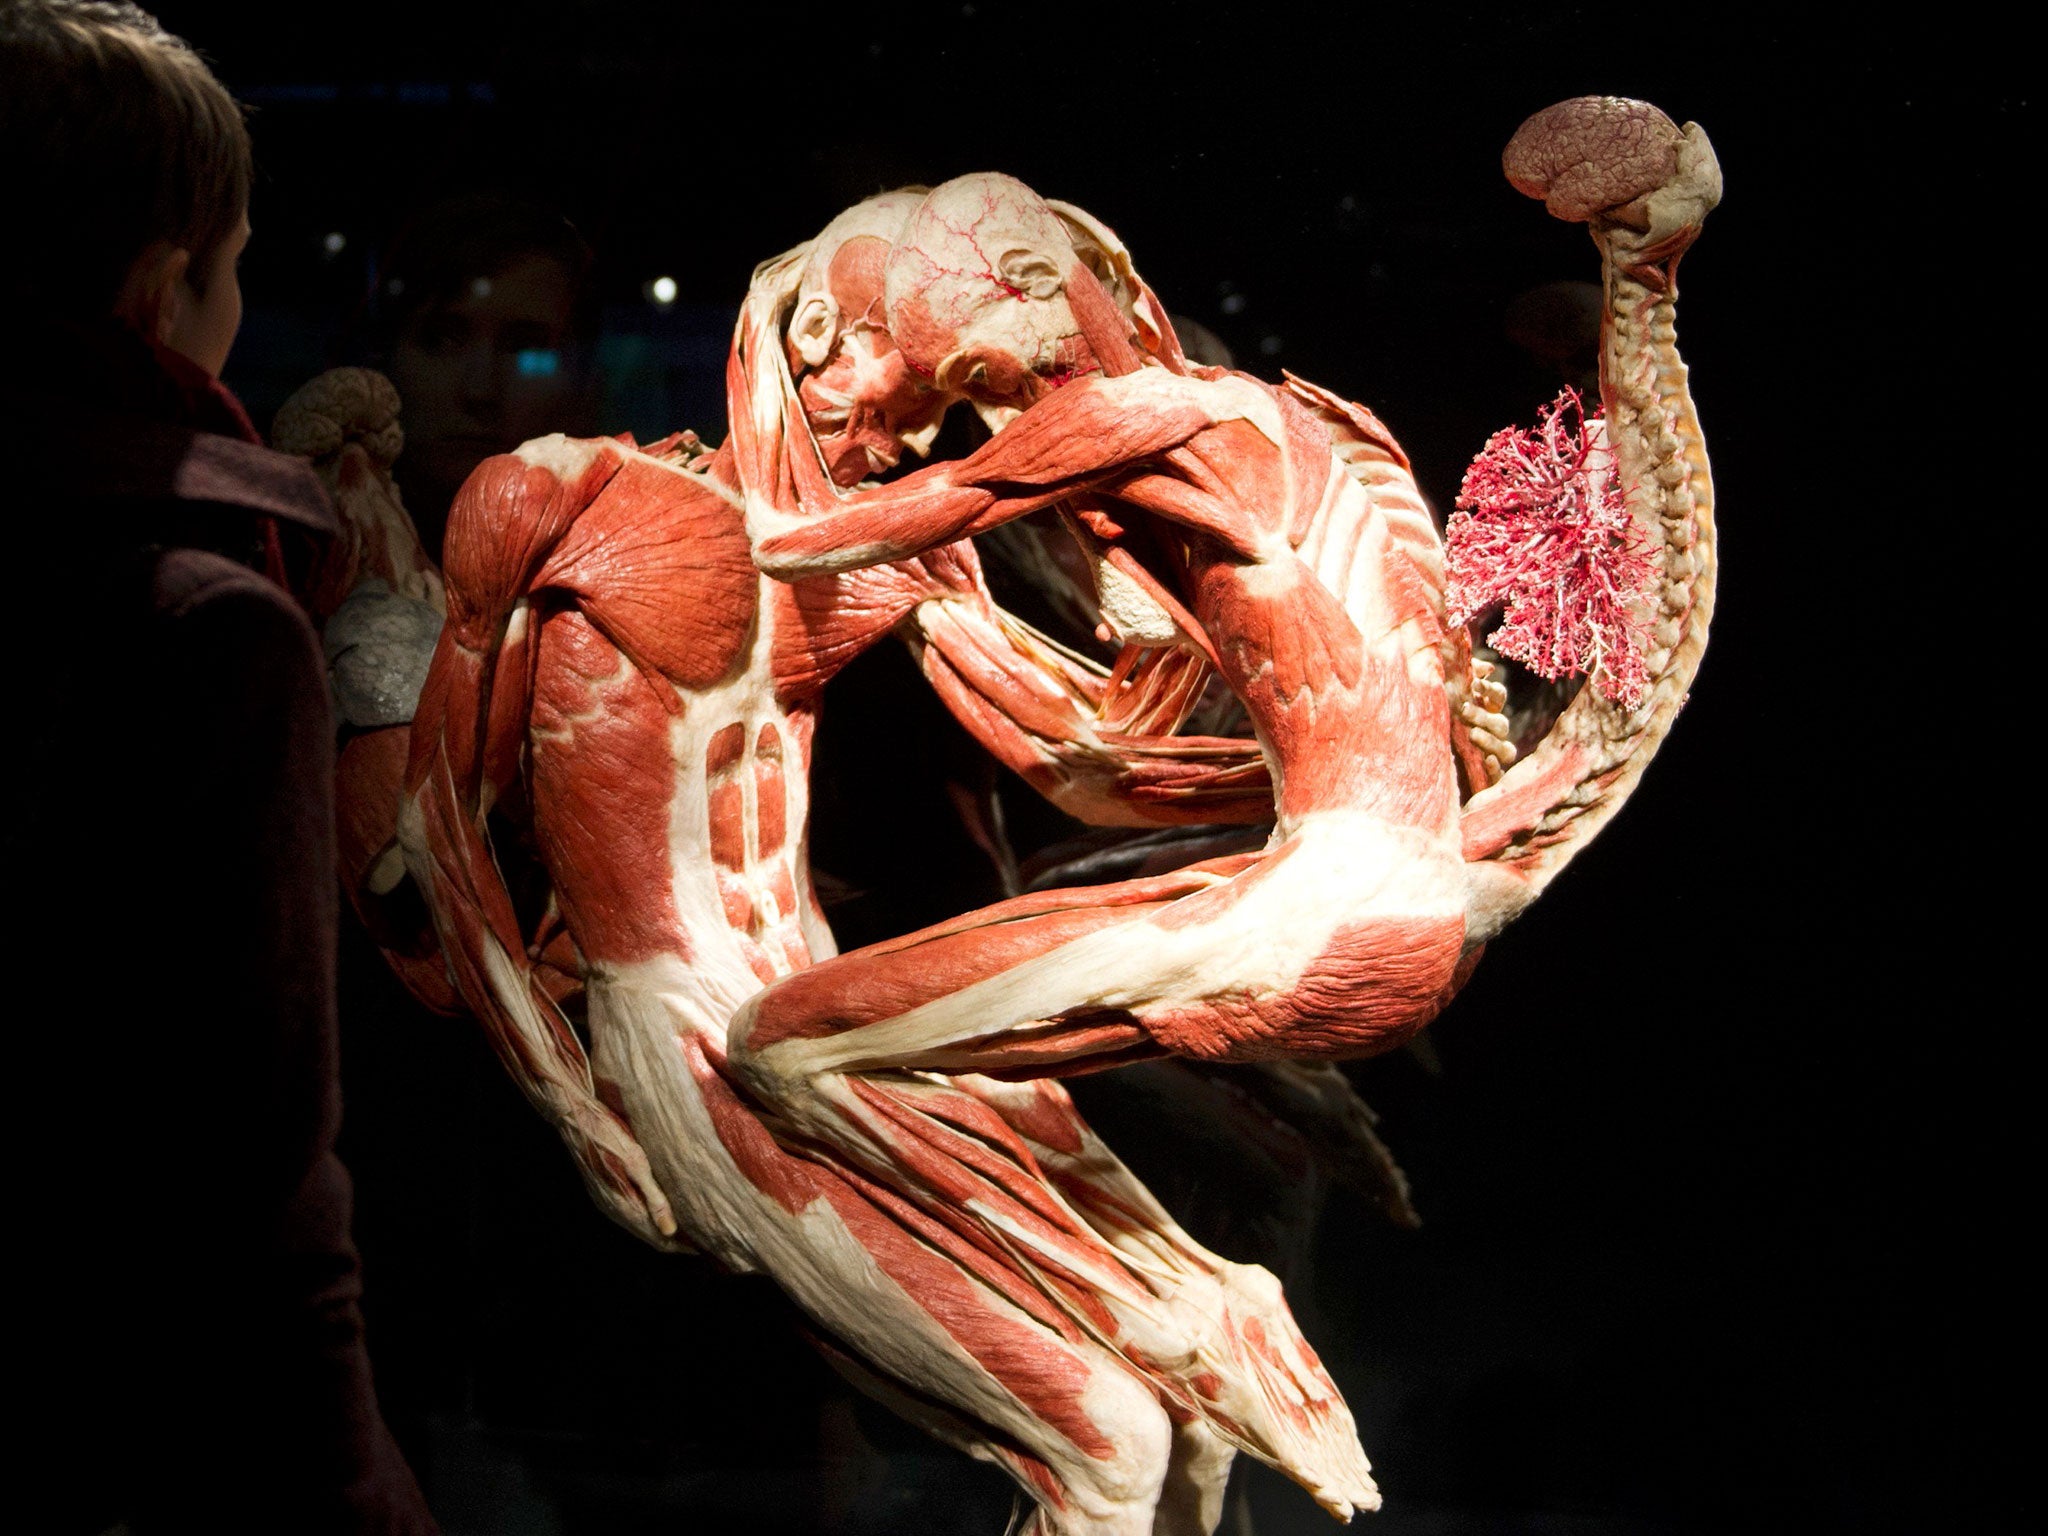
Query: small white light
{"x": 1270, "y": 345}
{"x": 481, "y": 288}
{"x": 1233, "y": 304}
{"x": 662, "y": 290}
{"x": 334, "y": 243}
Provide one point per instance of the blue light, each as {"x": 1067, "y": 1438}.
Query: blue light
{"x": 539, "y": 363}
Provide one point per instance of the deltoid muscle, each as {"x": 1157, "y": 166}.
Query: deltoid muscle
{"x": 636, "y": 643}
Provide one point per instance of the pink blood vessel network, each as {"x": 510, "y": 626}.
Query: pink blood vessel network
{"x": 1541, "y": 530}
{"x": 623, "y": 660}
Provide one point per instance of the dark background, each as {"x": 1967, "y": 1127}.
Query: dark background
{"x": 1719, "y": 1173}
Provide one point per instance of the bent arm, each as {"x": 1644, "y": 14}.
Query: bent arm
{"x": 1100, "y": 747}
{"x": 1074, "y": 437}
{"x": 466, "y": 748}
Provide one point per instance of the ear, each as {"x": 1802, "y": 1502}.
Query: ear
{"x": 1030, "y": 271}
{"x": 814, "y": 327}
{"x": 152, "y": 295}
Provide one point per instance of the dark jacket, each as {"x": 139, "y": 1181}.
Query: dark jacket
{"x": 193, "y": 1355}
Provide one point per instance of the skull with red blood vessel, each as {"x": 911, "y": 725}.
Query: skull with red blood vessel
{"x": 999, "y": 295}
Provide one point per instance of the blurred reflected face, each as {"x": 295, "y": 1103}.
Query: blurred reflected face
{"x": 481, "y": 373}
{"x": 203, "y": 325}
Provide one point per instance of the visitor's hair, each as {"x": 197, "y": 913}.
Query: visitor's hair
{"x": 113, "y": 135}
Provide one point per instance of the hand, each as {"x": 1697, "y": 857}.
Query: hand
{"x": 616, "y": 1171}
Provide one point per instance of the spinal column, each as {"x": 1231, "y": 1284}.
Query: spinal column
{"x": 1643, "y": 186}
